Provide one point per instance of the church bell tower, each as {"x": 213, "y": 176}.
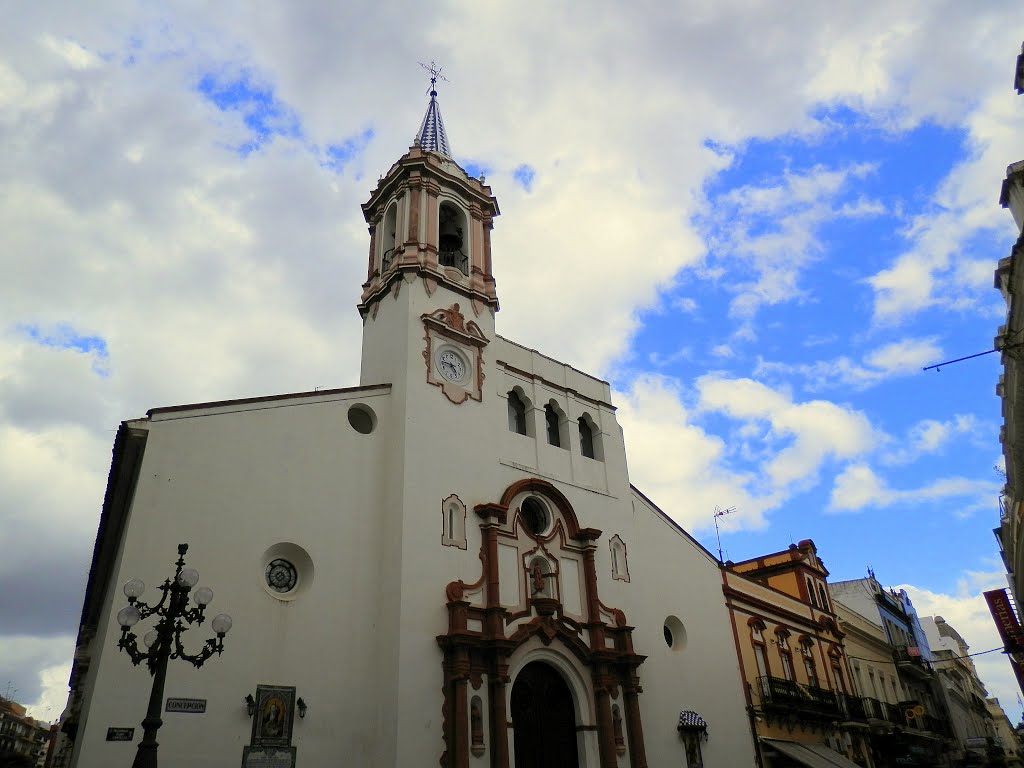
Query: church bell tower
{"x": 430, "y": 260}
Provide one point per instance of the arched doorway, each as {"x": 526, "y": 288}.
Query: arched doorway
{"x": 543, "y": 719}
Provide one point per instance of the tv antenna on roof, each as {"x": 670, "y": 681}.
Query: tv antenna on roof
{"x": 435, "y": 75}
{"x": 719, "y": 512}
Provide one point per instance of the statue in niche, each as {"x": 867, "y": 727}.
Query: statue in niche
{"x": 538, "y": 577}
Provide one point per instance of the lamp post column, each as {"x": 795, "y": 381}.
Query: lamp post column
{"x": 145, "y": 756}
{"x": 164, "y": 641}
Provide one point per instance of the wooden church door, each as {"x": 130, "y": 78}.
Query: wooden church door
{"x": 543, "y": 719}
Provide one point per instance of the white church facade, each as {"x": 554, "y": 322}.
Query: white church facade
{"x": 447, "y": 564}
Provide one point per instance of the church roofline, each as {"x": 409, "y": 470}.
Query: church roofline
{"x": 673, "y": 524}
{"x": 318, "y": 393}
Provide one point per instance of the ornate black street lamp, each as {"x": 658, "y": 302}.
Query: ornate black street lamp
{"x": 164, "y": 642}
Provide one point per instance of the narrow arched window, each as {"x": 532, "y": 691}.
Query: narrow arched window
{"x": 811, "y": 594}
{"x": 453, "y": 522}
{"x": 551, "y": 419}
{"x": 620, "y": 568}
{"x": 516, "y": 413}
{"x": 586, "y": 438}
{"x": 821, "y": 595}
{"x": 389, "y": 238}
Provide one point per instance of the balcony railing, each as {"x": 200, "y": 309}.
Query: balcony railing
{"x": 909, "y": 657}
{"x": 788, "y": 694}
{"x": 882, "y": 710}
{"x": 385, "y": 262}
{"x": 455, "y": 258}
{"x": 853, "y": 707}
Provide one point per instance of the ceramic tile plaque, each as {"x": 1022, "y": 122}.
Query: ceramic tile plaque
{"x": 268, "y": 757}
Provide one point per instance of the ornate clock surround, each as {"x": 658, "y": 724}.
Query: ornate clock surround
{"x": 449, "y": 327}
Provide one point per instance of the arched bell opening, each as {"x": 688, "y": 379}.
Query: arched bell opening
{"x": 388, "y": 237}
{"x": 452, "y": 246}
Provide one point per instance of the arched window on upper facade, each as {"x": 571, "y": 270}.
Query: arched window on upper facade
{"x": 810, "y": 592}
{"x": 586, "y": 439}
{"x": 389, "y": 236}
{"x": 553, "y": 421}
{"x": 785, "y": 654}
{"x": 835, "y": 660}
{"x": 807, "y": 652}
{"x": 590, "y": 438}
{"x": 516, "y": 413}
{"x": 451, "y": 246}
{"x": 757, "y": 628}
{"x": 822, "y": 597}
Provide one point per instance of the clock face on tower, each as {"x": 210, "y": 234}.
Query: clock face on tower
{"x": 451, "y": 364}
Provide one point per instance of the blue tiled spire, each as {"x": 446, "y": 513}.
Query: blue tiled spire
{"x": 432, "y": 135}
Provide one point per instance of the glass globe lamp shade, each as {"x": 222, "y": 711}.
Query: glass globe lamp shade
{"x": 221, "y": 623}
{"x": 134, "y": 588}
{"x": 188, "y": 577}
{"x": 203, "y": 596}
{"x": 150, "y": 638}
{"x": 128, "y": 616}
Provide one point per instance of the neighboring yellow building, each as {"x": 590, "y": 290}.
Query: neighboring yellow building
{"x": 793, "y": 661}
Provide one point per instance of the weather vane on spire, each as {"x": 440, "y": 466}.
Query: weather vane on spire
{"x": 435, "y": 75}
{"x": 431, "y": 135}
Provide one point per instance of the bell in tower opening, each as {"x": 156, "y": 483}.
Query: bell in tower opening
{"x": 451, "y": 227}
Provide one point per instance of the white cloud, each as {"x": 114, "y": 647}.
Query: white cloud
{"x": 930, "y": 436}
{"x": 858, "y": 487}
{"x": 691, "y": 479}
{"x": 900, "y": 358}
{"x": 773, "y": 230}
{"x": 686, "y": 304}
{"x": 71, "y": 52}
{"x": 933, "y": 271}
{"x": 722, "y": 350}
{"x": 37, "y": 671}
{"x": 809, "y": 433}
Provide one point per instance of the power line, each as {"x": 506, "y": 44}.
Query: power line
{"x": 945, "y": 658}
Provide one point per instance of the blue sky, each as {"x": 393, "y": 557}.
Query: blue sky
{"x": 832, "y": 319}
{"x": 759, "y": 264}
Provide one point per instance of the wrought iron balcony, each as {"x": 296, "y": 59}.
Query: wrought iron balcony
{"x": 780, "y": 693}
{"x": 387, "y": 259}
{"x": 454, "y": 258}
{"x": 908, "y": 659}
{"x": 883, "y": 710}
{"x": 853, "y": 707}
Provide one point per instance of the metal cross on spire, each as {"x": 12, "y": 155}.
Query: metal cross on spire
{"x": 435, "y": 75}
{"x": 432, "y": 135}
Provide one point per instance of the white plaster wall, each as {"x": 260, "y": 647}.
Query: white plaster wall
{"x": 671, "y": 575}
{"x": 232, "y": 483}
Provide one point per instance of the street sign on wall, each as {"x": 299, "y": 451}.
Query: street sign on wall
{"x": 193, "y": 706}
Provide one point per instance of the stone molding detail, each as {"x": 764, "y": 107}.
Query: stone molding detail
{"x": 602, "y": 642}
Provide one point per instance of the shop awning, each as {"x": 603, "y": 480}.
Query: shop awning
{"x": 810, "y": 755}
